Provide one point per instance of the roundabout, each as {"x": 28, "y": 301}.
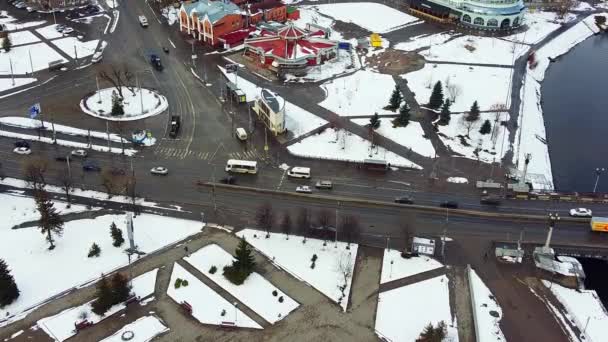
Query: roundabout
{"x": 137, "y": 103}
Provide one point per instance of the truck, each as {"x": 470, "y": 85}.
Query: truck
{"x": 155, "y": 61}
{"x": 599, "y": 224}
{"x": 175, "y": 124}
{"x": 143, "y": 21}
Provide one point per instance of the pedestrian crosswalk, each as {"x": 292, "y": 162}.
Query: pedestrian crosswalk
{"x": 182, "y": 153}
{"x": 251, "y": 154}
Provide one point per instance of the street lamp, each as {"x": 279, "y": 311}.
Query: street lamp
{"x": 235, "y": 311}
{"x": 552, "y": 218}
{"x": 598, "y": 172}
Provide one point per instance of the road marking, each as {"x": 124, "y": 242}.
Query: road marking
{"x": 170, "y": 42}
{"x": 281, "y": 180}
{"x": 399, "y": 182}
{"x": 154, "y": 14}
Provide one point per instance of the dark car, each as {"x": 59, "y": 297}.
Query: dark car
{"x": 404, "y": 200}
{"x": 89, "y": 166}
{"x": 449, "y": 204}
{"x": 490, "y": 200}
{"x": 155, "y": 60}
{"x": 22, "y": 143}
{"x": 61, "y": 158}
{"x": 228, "y": 180}
{"x": 322, "y": 232}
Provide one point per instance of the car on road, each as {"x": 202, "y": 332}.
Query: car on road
{"x": 228, "y": 180}
{"x": 67, "y": 30}
{"x": 143, "y": 21}
{"x": 61, "y": 158}
{"x": 490, "y": 200}
{"x": 581, "y": 212}
{"x": 156, "y": 63}
{"x": 22, "y": 143}
{"x": 304, "y": 189}
{"x": 324, "y": 184}
{"x": 22, "y": 150}
{"x": 404, "y": 200}
{"x": 90, "y": 166}
{"x": 449, "y": 204}
{"x": 159, "y": 170}
{"x": 79, "y": 153}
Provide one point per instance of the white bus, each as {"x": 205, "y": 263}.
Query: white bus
{"x": 299, "y": 172}
{"x": 242, "y": 166}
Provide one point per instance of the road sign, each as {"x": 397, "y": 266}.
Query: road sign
{"x": 34, "y": 110}
{"x": 230, "y": 68}
{"x": 265, "y": 147}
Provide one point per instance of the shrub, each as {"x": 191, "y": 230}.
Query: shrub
{"x": 281, "y": 299}
{"x": 314, "y": 258}
{"x": 312, "y": 266}
{"x": 275, "y": 293}
{"x": 184, "y": 283}
{"x": 178, "y": 283}
{"x": 236, "y": 275}
{"x": 213, "y": 269}
{"x": 94, "y": 251}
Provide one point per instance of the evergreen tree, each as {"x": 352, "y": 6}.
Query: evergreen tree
{"x": 444, "y": 115}
{"x": 7, "y": 43}
{"x": 104, "y": 297}
{"x": 474, "y": 112}
{"x": 94, "y": 251}
{"x": 117, "y": 106}
{"x": 8, "y": 288}
{"x": 242, "y": 266}
{"x": 116, "y": 235}
{"x": 395, "y": 99}
{"x": 50, "y": 222}
{"x": 436, "y": 99}
{"x": 432, "y": 334}
{"x": 120, "y": 288}
{"x": 374, "y": 122}
{"x": 486, "y": 128}
{"x": 404, "y": 116}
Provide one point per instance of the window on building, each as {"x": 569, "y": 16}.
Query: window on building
{"x": 516, "y": 21}
{"x": 466, "y": 18}
{"x": 493, "y": 23}
{"x": 505, "y": 23}
{"x": 478, "y": 21}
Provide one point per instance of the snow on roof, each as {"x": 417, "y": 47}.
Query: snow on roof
{"x": 291, "y": 32}
{"x": 276, "y": 46}
{"x": 214, "y": 10}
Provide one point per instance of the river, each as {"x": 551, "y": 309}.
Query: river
{"x": 575, "y": 108}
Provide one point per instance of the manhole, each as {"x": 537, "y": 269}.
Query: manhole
{"x": 127, "y": 335}
{"x": 494, "y": 314}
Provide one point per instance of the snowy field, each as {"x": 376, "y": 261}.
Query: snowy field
{"x": 21, "y": 38}
{"x": 341, "y": 145}
{"x": 50, "y": 31}
{"x": 373, "y": 17}
{"x": 310, "y": 15}
{"x": 23, "y": 122}
{"x": 476, "y": 50}
{"x": 7, "y": 83}
{"x": 423, "y": 41}
{"x": 428, "y": 302}
{"x": 294, "y": 257}
{"x": 75, "y": 48}
{"x": 540, "y": 24}
{"x": 489, "y": 146}
{"x": 411, "y": 136}
{"x": 488, "y": 86}
{"x": 582, "y": 306}
{"x": 255, "y": 292}
{"x": 67, "y": 265}
{"x": 344, "y": 94}
{"x": 207, "y": 305}
{"x": 488, "y": 326}
{"x": 396, "y": 267}
{"x": 61, "y": 325}
{"x": 144, "y": 330}
{"x": 139, "y": 104}
{"x": 11, "y": 24}
{"x": 41, "y": 54}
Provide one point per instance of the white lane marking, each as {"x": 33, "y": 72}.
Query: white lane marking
{"x": 154, "y": 14}
{"x": 171, "y": 43}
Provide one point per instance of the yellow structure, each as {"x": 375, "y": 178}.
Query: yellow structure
{"x": 599, "y": 224}
{"x": 375, "y": 40}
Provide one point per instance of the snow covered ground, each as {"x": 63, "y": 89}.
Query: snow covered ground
{"x": 342, "y": 145}
{"x": 7, "y": 83}
{"x": 19, "y": 56}
{"x": 582, "y": 306}
{"x": 208, "y": 307}
{"x": 67, "y": 265}
{"x": 50, "y": 31}
{"x": 310, "y": 15}
{"x": 373, "y": 17}
{"x": 489, "y": 149}
{"x": 488, "y": 326}
{"x": 22, "y": 122}
{"x": 171, "y": 14}
{"x": 21, "y": 38}
{"x": 540, "y": 24}
{"x": 255, "y": 292}
{"x": 411, "y": 136}
{"x": 344, "y": 94}
{"x": 75, "y": 48}
{"x": 428, "y": 302}
{"x": 476, "y": 50}
{"x": 11, "y": 24}
{"x": 396, "y": 267}
{"x": 143, "y": 285}
{"x": 144, "y": 330}
{"x": 488, "y": 86}
{"x": 139, "y": 104}
{"x": 423, "y": 41}
{"x": 294, "y": 257}
{"x": 346, "y": 62}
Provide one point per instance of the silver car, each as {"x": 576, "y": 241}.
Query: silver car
{"x": 159, "y": 170}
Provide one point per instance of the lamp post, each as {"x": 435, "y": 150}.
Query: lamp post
{"x": 552, "y": 218}
{"x": 598, "y": 172}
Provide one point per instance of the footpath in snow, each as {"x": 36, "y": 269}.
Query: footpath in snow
{"x": 410, "y": 136}
{"x": 487, "y": 311}
{"x": 394, "y": 266}
{"x": 143, "y": 330}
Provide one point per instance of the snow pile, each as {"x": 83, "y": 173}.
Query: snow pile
{"x": 582, "y": 6}
{"x": 394, "y": 266}
{"x": 342, "y": 145}
{"x": 144, "y": 329}
{"x": 19, "y": 56}
{"x": 75, "y": 48}
{"x": 50, "y": 31}
{"x": 463, "y": 136}
{"x": 294, "y": 257}
{"x": 344, "y": 94}
{"x": 21, "y": 38}
{"x": 170, "y": 13}
{"x": 476, "y": 50}
{"x": 7, "y": 83}
{"x": 457, "y": 180}
{"x": 16, "y": 121}
{"x": 429, "y": 302}
{"x": 465, "y": 84}
{"x": 255, "y": 292}
{"x": 584, "y": 308}
{"x": 487, "y": 324}
{"x": 346, "y": 62}
{"x": 137, "y": 104}
{"x": 423, "y": 41}
{"x": 411, "y": 136}
{"x": 373, "y": 17}
{"x": 208, "y": 307}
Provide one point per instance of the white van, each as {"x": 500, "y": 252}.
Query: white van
{"x": 97, "y": 56}
{"x": 143, "y": 21}
{"x": 241, "y": 134}
{"x": 299, "y": 172}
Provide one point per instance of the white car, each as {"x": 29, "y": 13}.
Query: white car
{"x": 304, "y": 189}
{"x": 581, "y": 212}
{"x": 22, "y": 150}
{"x": 159, "y": 170}
{"x": 67, "y": 30}
{"x": 97, "y": 56}
{"x": 79, "y": 153}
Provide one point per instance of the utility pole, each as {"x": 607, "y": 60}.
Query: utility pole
{"x": 67, "y": 160}
{"x": 553, "y": 217}
{"x": 75, "y": 56}
{"x": 336, "y": 235}
{"x": 108, "y": 134}
{"x": 10, "y": 61}
{"x": 98, "y": 92}
{"x": 31, "y": 64}
{"x": 598, "y": 172}
{"x": 445, "y": 231}
{"x": 53, "y": 128}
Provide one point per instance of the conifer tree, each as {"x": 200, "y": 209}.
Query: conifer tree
{"x": 50, "y": 222}
{"x": 374, "y": 121}
{"x": 395, "y": 99}
{"x": 444, "y": 115}
{"x": 116, "y": 235}
{"x": 117, "y": 106}
{"x": 104, "y": 297}
{"x": 486, "y": 128}
{"x": 120, "y": 288}
{"x": 404, "y": 116}
{"x": 8, "y": 288}
{"x": 473, "y": 112}
{"x": 436, "y": 99}
{"x": 94, "y": 251}
{"x": 7, "y": 43}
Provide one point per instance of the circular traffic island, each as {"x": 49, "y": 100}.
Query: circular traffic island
{"x": 126, "y": 104}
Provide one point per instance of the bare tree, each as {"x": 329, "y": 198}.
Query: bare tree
{"x": 265, "y": 217}
{"x": 345, "y": 268}
{"x": 453, "y": 90}
{"x": 111, "y": 182}
{"x": 118, "y": 77}
{"x": 130, "y": 185}
{"x": 67, "y": 185}
{"x": 564, "y": 7}
{"x": 323, "y": 218}
{"x": 408, "y": 229}
{"x": 34, "y": 171}
{"x": 350, "y": 229}
{"x": 286, "y": 224}
{"x": 303, "y": 223}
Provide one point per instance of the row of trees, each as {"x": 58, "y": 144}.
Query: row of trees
{"x": 111, "y": 292}
{"x": 437, "y": 101}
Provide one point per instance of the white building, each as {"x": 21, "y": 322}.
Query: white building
{"x": 271, "y": 110}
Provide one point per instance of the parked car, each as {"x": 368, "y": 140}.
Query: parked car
{"x": 79, "y": 153}
{"x": 324, "y": 184}
{"x": 305, "y": 189}
{"x": 159, "y": 170}
{"x": 97, "y": 56}
{"x": 143, "y": 21}
{"x": 404, "y": 200}
{"x": 581, "y": 212}
{"x": 22, "y": 143}
{"x": 67, "y": 30}
{"x": 228, "y": 180}
{"x": 490, "y": 200}
{"x": 449, "y": 204}
{"x": 22, "y": 150}
{"x": 90, "y": 166}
